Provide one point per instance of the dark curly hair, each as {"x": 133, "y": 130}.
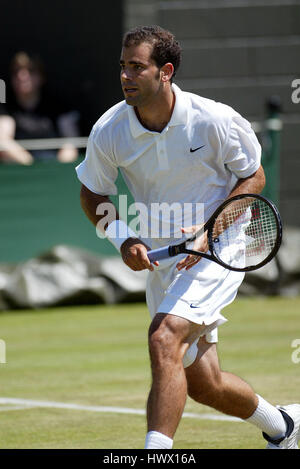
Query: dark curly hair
{"x": 165, "y": 47}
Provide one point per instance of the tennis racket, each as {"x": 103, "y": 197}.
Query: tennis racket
{"x": 243, "y": 234}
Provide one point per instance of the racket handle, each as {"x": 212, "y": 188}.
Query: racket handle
{"x": 159, "y": 254}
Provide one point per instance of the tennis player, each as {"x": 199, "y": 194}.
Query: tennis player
{"x": 173, "y": 146}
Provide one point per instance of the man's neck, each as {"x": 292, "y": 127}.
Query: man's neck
{"x": 28, "y": 101}
{"x": 156, "y": 116}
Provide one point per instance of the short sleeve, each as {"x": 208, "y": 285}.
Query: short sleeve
{"x": 97, "y": 171}
{"x": 242, "y": 152}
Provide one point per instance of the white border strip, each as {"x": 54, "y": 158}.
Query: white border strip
{"x": 52, "y": 143}
{"x": 10, "y": 403}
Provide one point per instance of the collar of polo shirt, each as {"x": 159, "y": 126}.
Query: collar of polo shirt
{"x": 179, "y": 114}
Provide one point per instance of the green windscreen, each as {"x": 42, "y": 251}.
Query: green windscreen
{"x": 40, "y": 208}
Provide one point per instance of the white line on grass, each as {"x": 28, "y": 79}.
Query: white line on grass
{"x": 18, "y": 404}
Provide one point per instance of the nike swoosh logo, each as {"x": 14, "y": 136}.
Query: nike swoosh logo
{"x": 194, "y": 306}
{"x": 195, "y": 149}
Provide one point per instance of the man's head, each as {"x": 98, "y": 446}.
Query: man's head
{"x": 150, "y": 58}
{"x": 27, "y": 74}
{"x": 165, "y": 48}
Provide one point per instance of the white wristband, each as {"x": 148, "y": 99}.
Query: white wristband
{"x": 117, "y": 232}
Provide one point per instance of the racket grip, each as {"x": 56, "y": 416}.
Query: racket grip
{"x": 159, "y": 254}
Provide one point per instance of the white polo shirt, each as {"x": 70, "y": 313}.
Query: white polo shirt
{"x": 197, "y": 158}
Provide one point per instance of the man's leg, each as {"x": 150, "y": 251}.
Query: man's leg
{"x": 169, "y": 338}
{"x": 223, "y": 391}
{"x": 229, "y": 394}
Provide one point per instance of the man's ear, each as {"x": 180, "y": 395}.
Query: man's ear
{"x": 167, "y": 71}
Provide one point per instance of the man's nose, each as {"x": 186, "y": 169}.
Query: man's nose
{"x": 125, "y": 74}
{"x": 23, "y": 74}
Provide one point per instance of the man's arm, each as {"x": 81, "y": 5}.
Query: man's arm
{"x": 10, "y": 150}
{"x": 90, "y": 202}
{"x": 68, "y": 127}
{"x": 253, "y": 184}
{"x": 133, "y": 250}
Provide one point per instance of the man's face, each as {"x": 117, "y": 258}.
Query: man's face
{"x": 140, "y": 76}
{"x": 26, "y": 81}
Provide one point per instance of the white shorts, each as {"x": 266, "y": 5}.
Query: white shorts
{"x": 198, "y": 294}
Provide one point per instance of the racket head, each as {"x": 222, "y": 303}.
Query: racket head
{"x": 245, "y": 232}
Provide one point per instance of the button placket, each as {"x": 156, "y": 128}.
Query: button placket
{"x": 162, "y": 155}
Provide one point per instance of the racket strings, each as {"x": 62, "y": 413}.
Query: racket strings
{"x": 245, "y": 233}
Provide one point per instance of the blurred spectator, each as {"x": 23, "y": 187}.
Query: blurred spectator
{"x": 31, "y": 113}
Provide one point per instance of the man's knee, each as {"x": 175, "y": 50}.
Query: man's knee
{"x": 206, "y": 393}
{"x": 165, "y": 344}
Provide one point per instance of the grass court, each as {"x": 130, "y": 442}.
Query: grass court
{"x": 79, "y": 360}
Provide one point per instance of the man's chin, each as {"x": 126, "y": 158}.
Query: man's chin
{"x": 131, "y": 101}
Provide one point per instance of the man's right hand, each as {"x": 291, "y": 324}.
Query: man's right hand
{"x": 134, "y": 254}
